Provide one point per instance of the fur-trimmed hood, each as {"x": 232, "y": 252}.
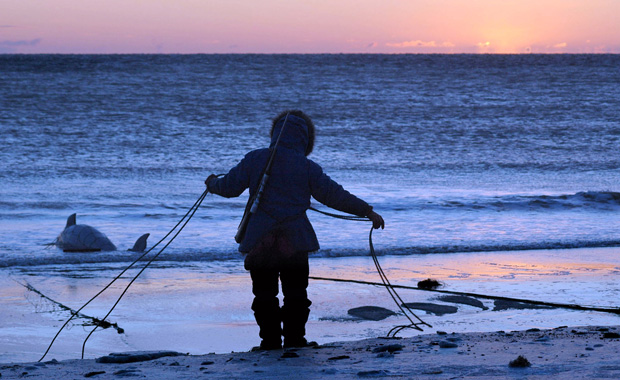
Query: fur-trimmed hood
{"x": 298, "y": 133}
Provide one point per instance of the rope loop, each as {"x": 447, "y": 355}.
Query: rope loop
{"x": 414, "y": 321}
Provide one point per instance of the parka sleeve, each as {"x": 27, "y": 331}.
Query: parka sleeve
{"x": 234, "y": 182}
{"x": 332, "y": 194}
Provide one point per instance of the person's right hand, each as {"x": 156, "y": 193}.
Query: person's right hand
{"x": 376, "y": 219}
{"x": 209, "y": 178}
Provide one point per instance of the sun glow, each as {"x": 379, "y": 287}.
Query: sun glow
{"x": 317, "y": 26}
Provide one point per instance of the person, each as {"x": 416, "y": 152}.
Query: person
{"x": 279, "y": 235}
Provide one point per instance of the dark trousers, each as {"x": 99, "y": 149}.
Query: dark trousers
{"x": 290, "y": 320}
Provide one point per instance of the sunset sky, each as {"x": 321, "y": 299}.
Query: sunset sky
{"x": 309, "y": 26}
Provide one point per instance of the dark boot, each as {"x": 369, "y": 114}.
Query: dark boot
{"x": 266, "y": 308}
{"x": 268, "y": 317}
{"x": 294, "y": 317}
{"x": 267, "y": 346}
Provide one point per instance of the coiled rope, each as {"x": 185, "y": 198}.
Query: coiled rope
{"x": 186, "y": 218}
{"x": 406, "y": 311}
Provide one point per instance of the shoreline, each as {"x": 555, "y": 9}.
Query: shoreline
{"x": 589, "y": 352}
{"x": 205, "y": 307}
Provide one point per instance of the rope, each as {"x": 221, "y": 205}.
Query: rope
{"x": 484, "y": 296}
{"x": 93, "y": 320}
{"x": 406, "y": 311}
{"x": 191, "y": 211}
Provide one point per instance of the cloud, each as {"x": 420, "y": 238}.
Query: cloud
{"x": 7, "y": 26}
{"x": 372, "y": 45}
{"x": 560, "y": 45}
{"x": 9, "y": 43}
{"x": 420, "y": 43}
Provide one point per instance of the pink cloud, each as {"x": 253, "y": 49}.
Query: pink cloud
{"x": 420, "y": 43}
{"x": 21, "y": 42}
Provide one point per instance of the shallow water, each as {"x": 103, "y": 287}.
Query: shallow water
{"x": 203, "y": 307}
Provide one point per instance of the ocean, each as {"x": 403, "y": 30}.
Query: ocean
{"x": 457, "y": 152}
{"x": 463, "y": 156}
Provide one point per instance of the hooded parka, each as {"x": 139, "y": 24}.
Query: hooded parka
{"x": 293, "y": 181}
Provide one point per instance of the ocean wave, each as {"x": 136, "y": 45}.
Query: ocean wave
{"x": 78, "y": 258}
{"x": 444, "y": 249}
{"x": 184, "y": 256}
{"x": 585, "y": 200}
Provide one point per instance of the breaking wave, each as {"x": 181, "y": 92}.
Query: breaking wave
{"x": 57, "y": 257}
{"x": 588, "y": 200}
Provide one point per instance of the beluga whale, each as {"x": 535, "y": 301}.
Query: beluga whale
{"x": 84, "y": 238}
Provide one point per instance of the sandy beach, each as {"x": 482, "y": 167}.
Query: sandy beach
{"x": 200, "y": 313}
{"x": 564, "y": 352}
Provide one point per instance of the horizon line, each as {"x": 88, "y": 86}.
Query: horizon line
{"x": 250, "y": 53}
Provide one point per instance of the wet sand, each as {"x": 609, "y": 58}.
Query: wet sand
{"x": 564, "y": 352}
{"x": 199, "y": 308}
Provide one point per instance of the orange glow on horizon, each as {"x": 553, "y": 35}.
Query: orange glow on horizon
{"x": 304, "y": 26}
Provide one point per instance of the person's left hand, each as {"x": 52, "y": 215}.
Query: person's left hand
{"x": 377, "y": 220}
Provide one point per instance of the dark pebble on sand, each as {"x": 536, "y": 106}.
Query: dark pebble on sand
{"x": 388, "y": 348}
{"x": 136, "y": 356}
{"x": 128, "y": 373}
{"x": 611, "y": 335}
{"x": 520, "y": 362}
{"x": 95, "y": 373}
{"x": 429, "y": 283}
{"x": 339, "y": 357}
{"x": 446, "y": 344}
{"x": 208, "y": 362}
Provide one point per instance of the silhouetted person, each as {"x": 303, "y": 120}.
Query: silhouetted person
{"x": 279, "y": 234}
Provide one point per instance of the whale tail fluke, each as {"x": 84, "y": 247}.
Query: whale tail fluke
{"x": 140, "y": 245}
{"x": 70, "y": 220}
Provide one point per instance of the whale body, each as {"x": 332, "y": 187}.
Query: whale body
{"x": 84, "y": 238}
